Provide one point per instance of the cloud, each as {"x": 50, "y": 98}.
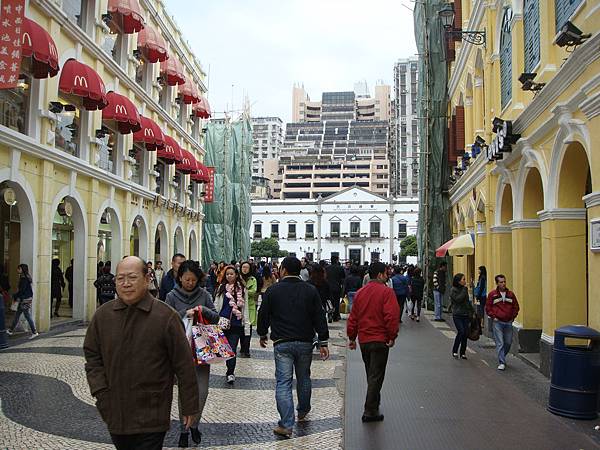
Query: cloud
{"x": 262, "y": 47}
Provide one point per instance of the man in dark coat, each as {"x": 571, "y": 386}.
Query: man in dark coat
{"x": 134, "y": 347}
{"x": 57, "y": 284}
{"x": 168, "y": 280}
{"x": 335, "y": 278}
{"x": 69, "y": 278}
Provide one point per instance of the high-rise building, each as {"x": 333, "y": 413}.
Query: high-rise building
{"x": 267, "y": 135}
{"x": 404, "y": 142}
{"x": 334, "y": 143}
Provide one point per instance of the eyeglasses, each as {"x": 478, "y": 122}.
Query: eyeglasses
{"x": 132, "y": 278}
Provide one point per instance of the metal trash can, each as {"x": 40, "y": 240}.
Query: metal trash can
{"x": 575, "y": 373}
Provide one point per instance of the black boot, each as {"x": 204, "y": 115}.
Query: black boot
{"x": 196, "y": 435}
{"x": 183, "y": 440}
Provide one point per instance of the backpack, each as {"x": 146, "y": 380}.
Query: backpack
{"x": 400, "y": 284}
{"x": 106, "y": 285}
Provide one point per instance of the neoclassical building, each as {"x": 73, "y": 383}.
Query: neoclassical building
{"x": 100, "y": 144}
{"x": 526, "y": 137}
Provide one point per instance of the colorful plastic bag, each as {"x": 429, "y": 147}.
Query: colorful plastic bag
{"x": 209, "y": 343}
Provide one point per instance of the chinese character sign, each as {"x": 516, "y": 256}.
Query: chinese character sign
{"x": 11, "y": 26}
{"x": 210, "y": 186}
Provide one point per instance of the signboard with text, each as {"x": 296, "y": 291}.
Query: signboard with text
{"x": 11, "y": 28}
{"x": 209, "y": 188}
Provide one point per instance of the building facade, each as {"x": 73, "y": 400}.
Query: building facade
{"x": 527, "y": 179}
{"x": 404, "y": 145}
{"x": 353, "y": 224}
{"x": 88, "y": 139}
{"x": 267, "y": 135}
{"x": 337, "y": 142}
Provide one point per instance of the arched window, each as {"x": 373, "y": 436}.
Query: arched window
{"x": 506, "y": 58}
{"x": 531, "y": 25}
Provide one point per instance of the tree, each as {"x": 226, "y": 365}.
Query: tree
{"x": 267, "y": 248}
{"x": 408, "y": 246}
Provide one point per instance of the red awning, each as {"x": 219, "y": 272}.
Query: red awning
{"x": 171, "y": 152}
{"x": 202, "y": 176}
{"x": 440, "y": 252}
{"x": 189, "y": 93}
{"x": 172, "y": 70}
{"x": 81, "y": 80}
{"x": 126, "y": 16}
{"x": 202, "y": 108}
{"x": 150, "y": 134}
{"x": 152, "y": 45}
{"x": 123, "y": 112}
{"x": 39, "y": 45}
{"x": 188, "y": 164}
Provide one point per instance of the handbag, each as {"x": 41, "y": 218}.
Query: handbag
{"x": 209, "y": 342}
{"x": 224, "y": 323}
{"x": 474, "y": 329}
{"x": 14, "y": 306}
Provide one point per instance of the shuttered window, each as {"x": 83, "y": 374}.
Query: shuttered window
{"x": 564, "y": 9}
{"x": 506, "y": 59}
{"x": 531, "y": 22}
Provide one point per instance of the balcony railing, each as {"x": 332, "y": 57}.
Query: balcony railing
{"x": 291, "y": 236}
{"x": 309, "y": 236}
{"x": 257, "y": 235}
{"x": 274, "y": 234}
{"x": 375, "y": 234}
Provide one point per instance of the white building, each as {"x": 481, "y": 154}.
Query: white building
{"x": 352, "y": 224}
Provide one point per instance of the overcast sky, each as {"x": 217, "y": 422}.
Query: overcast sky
{"x": 262, "y": 47}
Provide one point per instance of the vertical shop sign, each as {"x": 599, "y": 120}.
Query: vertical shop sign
{"x": 210, "y": 186}
{"x": 11, "y": 28}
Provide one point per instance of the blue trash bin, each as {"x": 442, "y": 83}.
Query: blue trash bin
{"x": 575, "y": 373}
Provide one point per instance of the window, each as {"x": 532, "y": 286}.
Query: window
{"x": 531, "y": 25}
{"x": 354, "y": 229}
{"x": 180, "y": 180}
{"x": 275, "y": 230}
{"x": 137, "y": 153}
{"x": 291, "y": 231}
{"x": 257, "y": 231}
{"x": 564, "y": 9}
{"x": 375, "y": 229}
{"x": 310, "y": 231}
{"x": 335, "y": 254}
{"x": 107, "y": 150}
{"x": 161, "y": 168}
{"x": 75, "y": 11}
{"x": 334, "y": 229}
{"x": 374, "y": 257}
{"x": 112, "y": 44}
{"x": 402, "y": 229}
{"x": 506, "y": 59}
{"x": 14, "y": 103}
{"x": 163, "y": 95}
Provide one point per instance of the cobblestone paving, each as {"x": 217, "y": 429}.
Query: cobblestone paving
{"x": 45, "y": 401}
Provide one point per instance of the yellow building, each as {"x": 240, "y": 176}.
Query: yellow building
{"x": 531, "y": 197}
{"x": 77, "y": 183}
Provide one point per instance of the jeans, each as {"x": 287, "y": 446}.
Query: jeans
{"x": 350, "y": 300}
{"x": 437, "y": 303}
{"x": 503, "y": 333}
{"x": 233, "y": 336}
{"x": 416, "y": 301}
{"x": 462, "y": 331}
{"x": 375, "y": 356}
{"x": 202, "y": 377}
{"x": 289, "y": 356}
{"x": 142, "y": 441}
{"x": 245, "y": 343}
{"x": 27, "y": 313}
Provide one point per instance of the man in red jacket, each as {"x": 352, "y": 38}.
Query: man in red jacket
{"x": 503, "y": 307}
{"x": 374, "y": 318}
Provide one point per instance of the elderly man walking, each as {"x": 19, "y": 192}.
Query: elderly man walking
{"x": 293, "y": 311}
{"x": 134, "y": 347}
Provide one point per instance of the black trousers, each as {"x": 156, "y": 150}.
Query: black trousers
{"x": 58, "y": 299}
{"x": 71, "y": 295}
{"x": 143, "y": 441}
{"x": 233, "y": 336}
{"x": 335, "y": 299}
{"x": 462, "y": 331}
{"x": 375, "y": 356}
{"x": 245, "y": 343}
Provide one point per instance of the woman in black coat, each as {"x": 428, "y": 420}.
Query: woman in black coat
{"x": 417, "y": 285}
{"x": 57, "y": 284}
{"x": 462, "y": 310}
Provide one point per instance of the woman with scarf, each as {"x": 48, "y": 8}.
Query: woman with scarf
{"x": 231, "y": 302}
{"x": 247, "y": 274}
{"x": 189, "y": 299}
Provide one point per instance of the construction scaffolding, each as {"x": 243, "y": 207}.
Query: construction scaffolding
{"x": 226, "y": 231}
{"x": 434, "y": 203}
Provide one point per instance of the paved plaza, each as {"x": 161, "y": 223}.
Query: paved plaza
{"x": 46, "y": 404}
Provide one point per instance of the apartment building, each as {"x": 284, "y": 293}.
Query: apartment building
{"x": 268, "y": 136}
{"x": 404, "y": 143}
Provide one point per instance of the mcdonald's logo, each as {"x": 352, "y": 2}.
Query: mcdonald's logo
{"x": 148, "y": 132}
{"x": 120, "y": 109}
{"x": 169, "y": 149}
{"x": 80, "y": 81}
{"x": 26, "y": 40}
{"x": 52, "y": 49}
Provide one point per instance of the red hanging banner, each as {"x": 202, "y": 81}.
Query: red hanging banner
{"x": 210, "y": 186}
{"x": 11, "y": 29}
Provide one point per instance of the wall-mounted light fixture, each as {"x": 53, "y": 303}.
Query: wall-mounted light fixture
{"x": 527, "y": 83}
{"x": 446, "y": 14}
{"x": 570, "y": 36}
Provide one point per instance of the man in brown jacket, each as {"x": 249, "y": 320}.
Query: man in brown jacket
{"x": 134, "y": 347}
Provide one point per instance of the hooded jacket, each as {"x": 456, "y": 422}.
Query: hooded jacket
{"x": 181, "y": 300}
{"x": 503, "y": 309}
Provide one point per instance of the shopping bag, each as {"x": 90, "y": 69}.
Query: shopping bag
{"x": 344, "y": 305}
{"x": 14, "y": 305}
{"x": 210, "y": 344}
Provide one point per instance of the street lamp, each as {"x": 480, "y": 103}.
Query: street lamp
{"x": 447, "y": 16}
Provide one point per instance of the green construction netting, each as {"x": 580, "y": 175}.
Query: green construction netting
{"x": 226, "y": 234}
{"x": 434, "y": 205}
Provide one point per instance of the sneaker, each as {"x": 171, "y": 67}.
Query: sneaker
{"x": 463, "y": 356}
{"x": 34, "y": 335}
{"x": 501, "y": 366}
{"x": 377, "y": 418}
{"x": 281, "y": 431}
{"x": 455, "y": 355}
{"x": 196, "y": 435}
{"x": 9, "y": 332}
{"x": 183, "y": 440}
{"x": 418, "y": 319}
{"x": 230, "y": 379}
